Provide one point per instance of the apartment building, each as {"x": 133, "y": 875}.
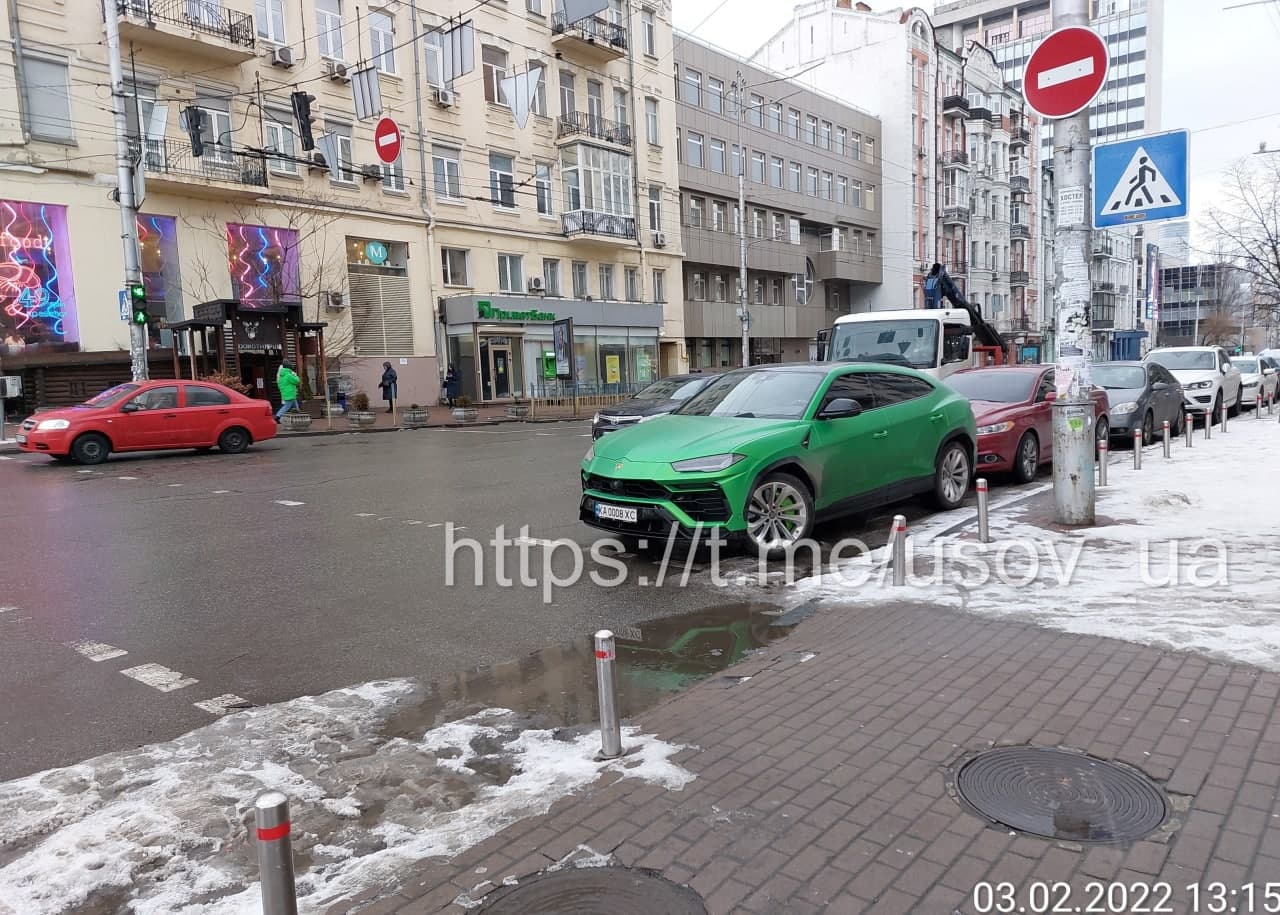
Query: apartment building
{"x": 463, "y": 251}
{"x": 811, "y": 176}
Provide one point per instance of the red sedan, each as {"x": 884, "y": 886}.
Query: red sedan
{"x": 1012, "y": 406}
{"x": 149, "y": 416}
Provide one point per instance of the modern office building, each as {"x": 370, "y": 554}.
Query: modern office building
{"x": 811, "y": 173}
{"x": 1211, "y": 304}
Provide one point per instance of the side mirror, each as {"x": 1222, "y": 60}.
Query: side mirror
{"x": 1050, "y": 396}
{"x": 840, "y": 408}
{"x": 131, "y": 407}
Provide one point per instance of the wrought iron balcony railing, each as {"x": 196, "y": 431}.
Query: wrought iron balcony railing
{"x": 592, "y": 28}
{"x": 590, "y": 222}
{"x": 577, "y": 123}
{"x": 219, "y": 163}
{"x": 207, "y": 16}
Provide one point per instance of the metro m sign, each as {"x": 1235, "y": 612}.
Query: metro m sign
{"x": 1066, "y": 72}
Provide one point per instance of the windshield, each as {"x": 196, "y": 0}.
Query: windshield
{"x": 673, "y": 389}
{"x": 755, "y": 395}
{"x": 1119, "y": 377}
{"x": 1248, "y": 366}
{"x": 111, "y": 396}
{"x": 904, "y": 342}
{"x": 1184, "y": 359}
{"x": 996, "y": 386}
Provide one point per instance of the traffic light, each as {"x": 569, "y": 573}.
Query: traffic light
{"x": 138, "y": 303}
{"x": 302, "y": 115}
{"x": 195, "y": 119}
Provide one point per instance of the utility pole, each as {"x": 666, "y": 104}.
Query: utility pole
{"x": 125, "y": 189}
{"x": 1074, "y": 486}
{"x": 743, "y": 314}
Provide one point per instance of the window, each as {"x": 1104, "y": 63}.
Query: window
{"x": 551, "y": 276}
{"x": 692, "y": 87}
{"x": 718, "y": 163}
{"x": 735, "y": 155}
{"x": 200, "y": 396}
{"x": 648, "y": 33}
{"x": 568, "y": 94}
{"x": 775, "y": 292}
{"x": 775, "y": 117}
{"x": 715, "y": 95}
{"x": 755, "y": 114}
{"x": 856, "y": 199}
{"x": 811, "y": 130}
{"x": 502, "y": 181}
{"x": 757, "y": 167}
{"x": 826, "y": 134}
{"x": 871, "y": 197}
{"x": 393, "y": 175}
{"x": 606, "y": 282}
{"x": 659, "y": 285}
{"x": 698, "y": 285}
{"x": 48, "y": 98}
{"x": 454, "y": 262}
{"x": 495, "y": 71}
{"x": 269, "y": 15}
{"x": 631, "y": 283}
{"x": 279, "y": 138}
{"x": 165, "y": 398}
{"x": 655, "y": 208}
{"x": 720, "y": 288}
{"x": 757, "y": 291}
{"x": 580, "y": 287}
{"x": 776, "y": 170}
{"x": 329, "y": 28}
{"x": 855, "y": 386}
{"x": 510, "y": 273}
{"x": 870, "y": 146}
{"x": 651, "y": 122}
{"x": 793, "y": 123}
{"x": 595, "y": 101}
{"x": 720, "y": 216}
{"x": 542, "y": 181}
{"x": 696, "y": 205}
{"x": 826, "y": 185}
{"x": 693, "y": 151}
{"x": 446, "y": 166}
{"x": 533, "y": 6}
{"x": 620, "y": 106}
{"x": 842, "y": 189}
{"x": 538, "y": 104}
{"x": 855, "y": 146}
{"x": 757, "y": 223}
{"x": 433, "y": 51}
{"x": 811, "y": 186}
{"x": 342, "y": 132}
{"x": 894, "y": 389}
{"x": 382, "y": 39}
{"x": 779, "y": 227}
{"x": 795, "y": 177}
{"x": 842, "y": 141}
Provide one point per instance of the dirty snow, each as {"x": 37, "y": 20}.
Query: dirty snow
{"x": 164, "y": 828}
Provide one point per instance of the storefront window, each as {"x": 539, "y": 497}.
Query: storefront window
{"x": 158, "y": 249}
{"x": 378, "y": 255}
{"x": 462, "y": 356}
{"x": 643, "y": 358}
{"x": 584, "y": 354}
{"x": 37, "y": 295}
{"x": 614, "y": 373}
{"x": 264, "y": 265}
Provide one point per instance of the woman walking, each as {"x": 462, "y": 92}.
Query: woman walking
{"x": 388, "y": 385}
{"x": 452, "y": 384}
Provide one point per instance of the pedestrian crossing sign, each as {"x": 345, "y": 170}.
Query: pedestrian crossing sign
{"x": 1140, "y": 180}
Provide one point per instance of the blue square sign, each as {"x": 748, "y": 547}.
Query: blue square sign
{"x": 1141, "y": 180}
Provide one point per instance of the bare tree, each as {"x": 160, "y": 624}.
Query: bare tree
{"x": 1246, "y": 230}
{"x": 1218, "y": 328}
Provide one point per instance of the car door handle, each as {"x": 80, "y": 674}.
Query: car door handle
{"x": 224, "y": 412}
{"x": 935, "y": 418}
{"x": 883, "y": 433}
{"x": 171, "y": 416}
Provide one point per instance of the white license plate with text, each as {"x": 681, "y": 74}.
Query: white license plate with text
{"x": 617, "y": 513}
{"x": 21, "y": 439}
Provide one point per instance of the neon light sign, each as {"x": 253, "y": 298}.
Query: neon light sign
{"x": 37, "y": 300}
{"x": 264, "y": 265}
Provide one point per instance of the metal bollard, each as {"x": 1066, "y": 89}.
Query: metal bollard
{"x": 1257, "y": 406}
{"x": 1189, "y": 426}
{"x": 1103, "y": 456}
{"x": 275, "y": 854}
{"x": 984, "y": 527}
{"x": 899, "y": 546}
{"x": 1137, "y": 449}
{"x": 1208, "y": 423}
{"x": 610, "y": 727}
{"x": 1223, "y": 412}
{"x": 1167, "y": 444}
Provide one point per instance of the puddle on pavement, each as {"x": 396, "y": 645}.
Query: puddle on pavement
{"x": 556, "y": 687}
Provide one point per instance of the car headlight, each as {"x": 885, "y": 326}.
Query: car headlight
{"x": 995, "y": 429}
{"x": 1198, "y": 385}
{"x": 707, "y": 464}
{"x": 1125, "y": 407}
{"x": 595, "y": 419}
{"x": 591, "y": 454}
{"x": 53, "y": 425}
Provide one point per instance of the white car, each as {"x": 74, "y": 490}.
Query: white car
{"x": 1258, "y": 375}
{"x": 1209, "y": 380}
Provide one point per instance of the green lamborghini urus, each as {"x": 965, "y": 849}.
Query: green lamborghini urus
{"x": 764, "y": 453}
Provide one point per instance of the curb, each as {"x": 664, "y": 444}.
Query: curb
{"x": 489, "y": 422}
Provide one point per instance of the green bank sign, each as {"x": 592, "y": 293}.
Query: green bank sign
{"x": 489, "y": 313}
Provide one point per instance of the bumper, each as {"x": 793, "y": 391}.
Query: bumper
{"x": 995, "y": 452}
{"x": 686, "y": 505}
{"x": 1123, "y": 424}
{"x": 45, "y": 442}
{"x": 1198, "y": 401}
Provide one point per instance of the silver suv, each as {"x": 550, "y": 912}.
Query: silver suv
{"x": 1209, "y": 380}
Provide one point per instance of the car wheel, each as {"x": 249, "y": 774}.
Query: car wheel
{"x": 1178, "y": 426}
{"x": 1217, "y": 410}
{"x": 1233, "y": 412}
{"x": 1101, "y": 433}
{"x": 1026, "y": 462}
{"x": 90, "y": 448}
{"x": 952, "y": 476}
{"x": 779, "y": 513}
{"x": 233, "y": 441}
{"x": 1148, "y": 429}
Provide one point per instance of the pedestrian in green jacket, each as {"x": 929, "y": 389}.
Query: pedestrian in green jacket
{"x": 288, "y": 382}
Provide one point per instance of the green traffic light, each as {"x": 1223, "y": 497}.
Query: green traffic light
{"x": 138, "y": 292}
{"x": 139, "y": 316}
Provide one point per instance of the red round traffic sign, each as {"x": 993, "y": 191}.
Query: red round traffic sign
{"x": 387, "y": 140}
{"x": 1066, "y": 72}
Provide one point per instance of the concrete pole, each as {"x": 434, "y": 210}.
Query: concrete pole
{"x": 744, "y": 315}
{"x": 125, "y": 187}
{"x": 1074, "y": 485}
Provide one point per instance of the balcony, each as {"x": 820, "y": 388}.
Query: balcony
{"x": 598, "y": 225}
{"x": 579, "y": 124}
{"x": 955, "y": 158}
{"x": 1104, "y": 286}
{"x": 592, "y": 38}
{"x": 1020, "y": 184}
{"x": 1019, "y": 136}
{"x": 981, "y": 114}
{"x": 220, "y": 172}
{"x": 200, "y": 29}
{"x": 1019, "y": 278}
{"x": 955, "y": 106}
{"x": 955, "y": 216}
{"x": 838, "y": 260}
{"x": 720, "y": 247}
{"x": 1019, "y": 230}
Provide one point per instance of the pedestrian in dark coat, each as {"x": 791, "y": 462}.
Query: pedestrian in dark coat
{"x": 388, "y": 385}
{"x": 452, "y": 385}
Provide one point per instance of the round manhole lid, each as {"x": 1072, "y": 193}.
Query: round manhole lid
{"x": 1057, "y": 794}
{"x": 595, "y": 891}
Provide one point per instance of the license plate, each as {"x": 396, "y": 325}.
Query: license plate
{"x": 617, "y": 513}
{"x": 21, "y": 439}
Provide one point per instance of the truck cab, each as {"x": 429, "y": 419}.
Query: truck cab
{"x": 938, "y": 342}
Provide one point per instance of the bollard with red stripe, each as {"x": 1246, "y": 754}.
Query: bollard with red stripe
{"x": 1104, "y": 448}
{"x": 1137, "y": 449}
{"x": 610, "y": 726}
{"x": 1167, "y": 443}
{"x": 899, "y": 547}
{"x": 984, "y": 526}
{"x": 275, "y": 854}
{"x": 1257, "y": 405}
{"x": 1189, "y": 427}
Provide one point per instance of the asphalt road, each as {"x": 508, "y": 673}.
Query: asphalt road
{"x": 305, "y": 565}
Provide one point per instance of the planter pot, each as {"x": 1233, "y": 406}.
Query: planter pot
{"x": 518, "y": 411}
{"x": 334, "y": 410}
{"x": 466, "y": 414}
{"x": 295, "y": 422}
{"x": 362, "y": 420}
{"x": 414, "y": 419}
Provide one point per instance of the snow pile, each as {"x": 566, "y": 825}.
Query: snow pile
{"x": 1181, "y": 557}
{"x": 165, "y": 827}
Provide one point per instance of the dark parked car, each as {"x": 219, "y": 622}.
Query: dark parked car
{"x": 658, "y": 399}
{"x": 1143, "y": 396}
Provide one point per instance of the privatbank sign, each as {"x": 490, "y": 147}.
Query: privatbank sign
{"x": 488, "y": 313}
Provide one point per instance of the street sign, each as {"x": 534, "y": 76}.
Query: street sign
{"x": 1141, "y": 180}
{"x": 126, "y": 309}
{"x": 387, "y": 140}
{"x": 1065, "y": 72}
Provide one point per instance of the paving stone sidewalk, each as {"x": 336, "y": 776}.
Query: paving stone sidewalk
{"x": 822, "y": 782}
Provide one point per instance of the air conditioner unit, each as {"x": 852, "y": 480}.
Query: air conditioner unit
{"x": 282, "y": 57}
{"x": 659, "y": 239}
{"x": 338, "y": 71}
{"x": 444, "y": 98}
{"x": 536, "y": 284}
{"x": 318, "y": 162}
{"x": 333, "y": 299}
{"x": 371, "y": 172}
{"x": 10, "y": 386}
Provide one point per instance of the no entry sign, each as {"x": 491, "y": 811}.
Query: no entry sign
{"x": 1066, "y": 72}
{"x": 387, "y": 140}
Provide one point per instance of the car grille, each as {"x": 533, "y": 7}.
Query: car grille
{"x": 632, "y": 489}
{"x": 618, "y": 420}
{"x": 706, "y": 503}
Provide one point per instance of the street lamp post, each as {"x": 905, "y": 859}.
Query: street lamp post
{"x": 744, "y": 316}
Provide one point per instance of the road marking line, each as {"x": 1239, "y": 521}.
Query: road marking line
{"x": 126, "y": 478}
{"x": 437, "y": 524}
{"x": 86, "y": 471}
{"x": 97, "y": 651}
{"x": 172, "y": 485}
{"x": 223, "y": 704}
{"x": 4, "y": 458}
{"x": 413, "y": 522}
{"x": 365, "y": 515}
{"x": 8, "y": 609}
{"x": 530, "y": 541}
{"x": 1065, "y": 73}
{"x": 288, "y": 503}
{"x": 159, "y": 677}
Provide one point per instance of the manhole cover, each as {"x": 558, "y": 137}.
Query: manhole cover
{"x": 1061, "y": 795}
{"x": 595, "y": 891}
